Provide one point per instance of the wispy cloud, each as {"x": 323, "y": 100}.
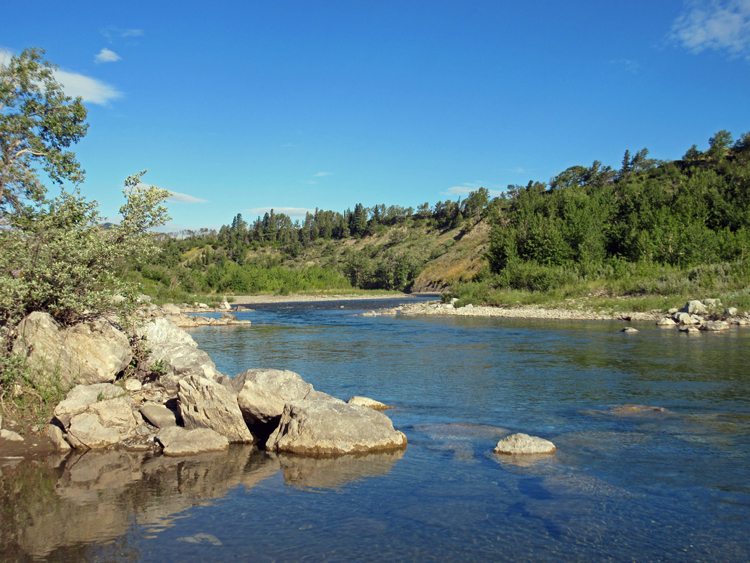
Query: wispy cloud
{"x": 177, "y": 197}
{"x": 468, "y": 187}
{"x": 293, "y": 212}
{"x": 321, "y": 174}
{"x": 628, "y": 64}
{"x": 90, "y": 89}
{"x": 112, "y": 33}
{"x": 720, "y": 25}
{"x": 107, "y": 56}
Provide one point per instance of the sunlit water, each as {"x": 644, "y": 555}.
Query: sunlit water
{"x": 624, "y": 485}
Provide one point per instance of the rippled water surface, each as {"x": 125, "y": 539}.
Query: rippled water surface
{"x": 669, "y": 485}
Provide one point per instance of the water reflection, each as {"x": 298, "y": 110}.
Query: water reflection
{"x": 97, "y": 496}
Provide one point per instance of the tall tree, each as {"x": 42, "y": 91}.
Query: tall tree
{"x": 37, "y": 123}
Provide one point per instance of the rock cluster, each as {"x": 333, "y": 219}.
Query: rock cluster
{"x": 703, "y": 315}
{"x": 190, "y": 407}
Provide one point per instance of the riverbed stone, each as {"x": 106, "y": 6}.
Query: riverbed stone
{"x": 689, "y": 329}
{"x": 158, "y": 415}
{"x": 314, "y": 427}
{"x": 179, "y": 441}
{"x": 170, "y": 309}
{"x": 666, "y": 321}
{"x": 521, "y": 444}
{"x": 715, "y": 326}
{"x": 10, "y": 436}
{"x": 629, "y": 329}
{"x": 730, "y": 311}
{"x": 204, "y": 403}
{"x": 694, "y": 307}
{"x": 80, "y": 397}
{"x": 369, "y": 403}
{"x": 57, "y": 438}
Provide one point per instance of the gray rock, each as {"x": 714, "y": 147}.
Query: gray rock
{"x": 517, "y": 444}
{"x": 159, "y": 415}
{"x": 11, "y": 436}
{"x": 56, "y": 437}
{"x": 673, "y": 310}
{"x": 286, "y": 384}
{"x": 730, "y": 311}
{"x": 314, "y": 427}
{"x": 689, "y": 328}
{"x": 80, "y": 397}
{"x": 712, "y": 302}
{"x": 103, "y": 423}
{"x": 665, "y": 321}
{"x": 204, "y": 403}
{"x": 92, "y": 352}
{"x": 133, "y": 385}
{"x": 202, "y": 306}
{"x": 228, "y": 317}
{"x": 170, "y": 309}
{"x": 715, "y": 326}
{"x": 687, "y": 319}
{"x": 180, "y": 441}
{"x": 629, "y": 329}
{"x": 369, "y": 403}
{"x": 694, "y": 307}
{"x": 143, "y": 298}
{"x": 177, "y": 350}
{"x": 259, "y": 405}
{"x": 102, "y": 350}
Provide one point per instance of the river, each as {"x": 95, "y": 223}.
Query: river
{"x": 624, "y": 485}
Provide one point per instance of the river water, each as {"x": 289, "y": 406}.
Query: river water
{"x": 624, "y": 485}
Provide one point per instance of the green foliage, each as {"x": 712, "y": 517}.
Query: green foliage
{"x": 55, "y": 258}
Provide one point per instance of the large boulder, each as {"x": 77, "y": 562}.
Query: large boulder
{"x": 315, "y": 427}
{"x": 715, "y": 326}
{"x": 180, "y": 441}
{"x": 104, "y": 423}
{"x": 177, "y": 353}
{"x": 88, "y": 353}
{"x": 204, "y": 403}
{"x": 286, "y": 384}
{"x": 103, "y": 351}
{"x": 96, "y": 416}
{"x": 261, "y": 408}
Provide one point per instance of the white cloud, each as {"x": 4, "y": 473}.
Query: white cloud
{"x": 721, "y": 25}
{"x": 177, "y": 197}
{"x": 293, "y": 212}
{"x": 90, "y": 89}
{"x": 321, "y": 174}
{"x": 107, "y": 56}
{"x": 469, "y": 187}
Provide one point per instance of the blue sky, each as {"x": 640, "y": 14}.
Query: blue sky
{"x": 238, "y": 107}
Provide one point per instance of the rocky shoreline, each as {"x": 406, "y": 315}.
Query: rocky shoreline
{"x": 174, "y": 400}
{"x": 702, "y": 315}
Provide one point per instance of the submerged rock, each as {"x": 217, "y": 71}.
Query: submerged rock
{"x": 370, "y": 403}
{"x": 314, "y": 427}
{"x": 715, "y": 326}
{"x": 689, "y": 328}
{"x": 629, "y": 329}
{"x": 521, "y": 444}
